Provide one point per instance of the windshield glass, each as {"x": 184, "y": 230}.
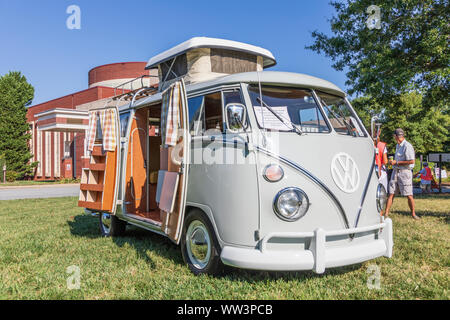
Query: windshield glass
{"x": 283, "y": 107}
{"x": 341, "y": 117}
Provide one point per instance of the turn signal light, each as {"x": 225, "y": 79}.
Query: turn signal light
{"x": 273, "y": 173}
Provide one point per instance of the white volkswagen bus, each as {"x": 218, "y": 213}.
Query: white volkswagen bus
{"x": 240, "y": 166}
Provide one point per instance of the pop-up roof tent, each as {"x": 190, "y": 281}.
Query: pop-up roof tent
{"x": 202, "y": 59}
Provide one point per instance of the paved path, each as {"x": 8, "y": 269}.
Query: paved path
{"x": 39, "y": 191}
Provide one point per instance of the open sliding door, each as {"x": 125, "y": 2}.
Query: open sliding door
{"x": 99, "y": 179}
{"x": 173, "y": 176}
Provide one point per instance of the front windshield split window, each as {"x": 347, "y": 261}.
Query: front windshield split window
{"x": 287, "y": 109}
{"x": 340, "y": 115}
{"x": 276, "y": 108}
{"x": 293, "y": 109}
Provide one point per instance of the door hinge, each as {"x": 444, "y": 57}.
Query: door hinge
{"x": 182, "y": 167}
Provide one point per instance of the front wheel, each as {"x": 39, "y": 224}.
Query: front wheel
{"x": 111, "y": 226}
{"x": 199, "y": 246}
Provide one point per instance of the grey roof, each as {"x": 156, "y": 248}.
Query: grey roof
{"x": 204, "y": 42}
{"x": 273, "y": 77}
{"x": 266, "y": 77}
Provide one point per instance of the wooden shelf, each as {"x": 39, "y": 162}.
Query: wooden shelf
{"x": 90, "y": 205}
{"x": 96, "y": 187}
{"x": 91, "y": 187}
{"x": 97, "y": 166}
{"x": 98, "y": 151}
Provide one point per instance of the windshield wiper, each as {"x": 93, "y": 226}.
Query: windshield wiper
{"x": 294, "y": 126}
{"x": 343, "y": 121}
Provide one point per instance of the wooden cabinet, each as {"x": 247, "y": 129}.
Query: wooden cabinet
{"x": 98, "y": 181}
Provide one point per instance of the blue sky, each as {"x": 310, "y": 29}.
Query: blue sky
{"x": 56, "y": 60}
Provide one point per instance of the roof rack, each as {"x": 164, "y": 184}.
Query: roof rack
{"x": 131, "y": 94}
{"x": 135, "y": 94}
{"x": 122, "y": 85}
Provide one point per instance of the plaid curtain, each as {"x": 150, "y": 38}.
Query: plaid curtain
{"x": 170, "y": 116}
{"x": 108, "y": 122}
{"x": 92, "y": 131}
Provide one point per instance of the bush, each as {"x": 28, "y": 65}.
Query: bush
{"x": 11, "y": 176}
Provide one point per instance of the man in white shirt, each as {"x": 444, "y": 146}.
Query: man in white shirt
{"x": 401, "y": 179}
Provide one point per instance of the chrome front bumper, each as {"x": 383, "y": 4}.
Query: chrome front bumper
{"x": 318, "y": 256}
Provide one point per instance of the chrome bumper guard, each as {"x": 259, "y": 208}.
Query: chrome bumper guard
{"x": 317, "y": 257}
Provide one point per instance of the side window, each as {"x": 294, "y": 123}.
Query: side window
{"x": 205, "y": 112}
{"x": 196, "y": 115}
{"x": 213, "y": 112}
{"x": 124, "y": 117}
{"x": 232, "y": 97}
{"x": 99, "y": 133}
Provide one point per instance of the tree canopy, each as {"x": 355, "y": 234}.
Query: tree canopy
{"x": 398, "y": 68}
{"x": 426, "y": 129}
{"x": 15, "y": 94}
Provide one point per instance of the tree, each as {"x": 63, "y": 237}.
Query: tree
{"x": 426, "y": 129}
{"x": 15, "y": 95}
{"x": 408, "y": 54}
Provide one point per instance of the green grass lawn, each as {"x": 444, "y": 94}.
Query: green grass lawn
{"x": 40, "y": 238}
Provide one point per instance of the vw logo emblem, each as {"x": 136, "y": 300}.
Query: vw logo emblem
{"x": 345, "y": 172}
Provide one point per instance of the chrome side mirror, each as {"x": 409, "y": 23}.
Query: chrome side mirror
{"x": 235, "y": 116}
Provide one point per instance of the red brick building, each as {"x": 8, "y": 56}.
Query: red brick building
{"x": 58, "y": 126}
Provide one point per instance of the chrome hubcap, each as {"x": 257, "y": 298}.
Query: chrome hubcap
{"x": 198, "y": 244}
{"x": 106, "y": 222}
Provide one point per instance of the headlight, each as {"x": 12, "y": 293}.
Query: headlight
{"x": 381, "y": 197}
{"x": 273, "y": 173}
{"x": 291, "y": 204}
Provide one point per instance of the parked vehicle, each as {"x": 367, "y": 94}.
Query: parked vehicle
{"x": 239, "y": 166}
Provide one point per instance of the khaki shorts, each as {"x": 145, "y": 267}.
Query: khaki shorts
{"x": 401, "y": 182}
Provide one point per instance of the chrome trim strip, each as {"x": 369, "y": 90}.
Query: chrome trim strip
{"x": 366, "y": 187}
{"x": 312, "y": 178}
{"x": 144, "y": 224}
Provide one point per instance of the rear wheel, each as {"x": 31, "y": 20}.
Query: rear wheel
{"x": 199, "y": 246}
{"x": 111, "y": 226}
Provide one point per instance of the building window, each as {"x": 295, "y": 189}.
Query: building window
{"x": 39, "y": 153}
{"x": 66, "y": 149}
{"x": 48, "y": 154}
{"x": 56, "y": 154}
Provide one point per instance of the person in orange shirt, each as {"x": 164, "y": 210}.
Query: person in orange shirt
{"x": 426, "y": 176}
{"x": 381, "y": 160}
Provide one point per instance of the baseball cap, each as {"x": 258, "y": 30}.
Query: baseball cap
{"x": 399, "y": 132}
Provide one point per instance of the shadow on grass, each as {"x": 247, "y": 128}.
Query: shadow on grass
{"x": 143, "y": 241}
{"x": 425, "y": 214}
{"x": 139, "y": 239}
{"x": 252, "y": 276}
{"x": 431, "y": 213}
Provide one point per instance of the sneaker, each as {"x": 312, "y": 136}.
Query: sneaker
{"x": 416, "y": 217}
